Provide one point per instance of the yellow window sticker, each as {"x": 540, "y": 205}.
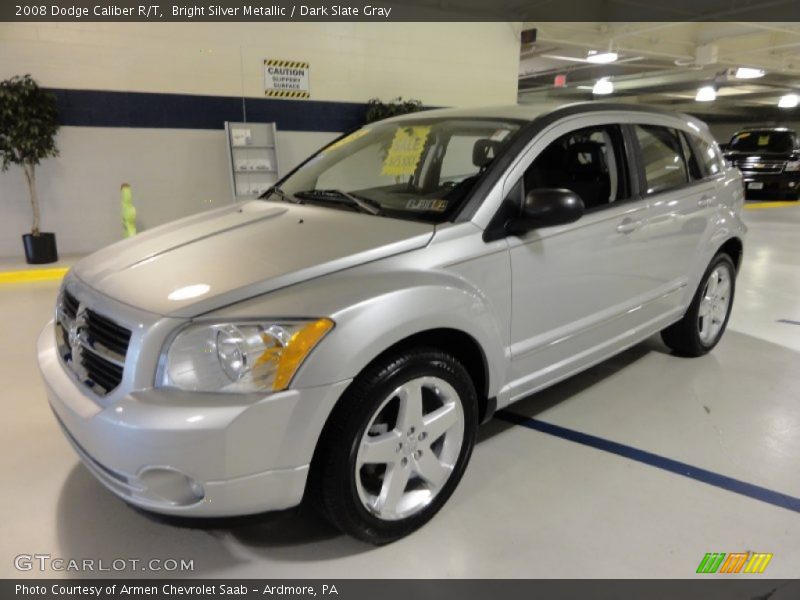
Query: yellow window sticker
{"x": 347, "y": 139}
{"x": 763, "y": 140}
{"x": 406, "y": 150}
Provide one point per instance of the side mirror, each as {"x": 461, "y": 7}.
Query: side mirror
{"x": 546, "y": 207}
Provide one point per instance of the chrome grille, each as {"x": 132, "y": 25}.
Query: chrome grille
{"x": 761, "y": 166}
{"x": 91, "y": 345}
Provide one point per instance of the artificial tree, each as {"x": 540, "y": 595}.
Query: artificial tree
{"x": 28, "y": 126}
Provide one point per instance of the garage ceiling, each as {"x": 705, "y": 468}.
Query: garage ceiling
{"x": 666, "y": 63}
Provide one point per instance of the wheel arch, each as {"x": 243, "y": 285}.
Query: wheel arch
{"x": 734, "y": 248}
{"x": 463, "y": 347}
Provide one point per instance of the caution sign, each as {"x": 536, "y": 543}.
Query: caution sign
{"x": 406, "y": 150}
{"x": 286, "y": 79}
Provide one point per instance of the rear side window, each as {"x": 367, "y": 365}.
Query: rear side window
{"x": 708, "y": 155}
{"x": 689, "y": 154}
{"x": 662, "y": 157}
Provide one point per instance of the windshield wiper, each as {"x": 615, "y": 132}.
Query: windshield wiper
{"x": 365, "y": 204}
{"x": 281, "y": 193}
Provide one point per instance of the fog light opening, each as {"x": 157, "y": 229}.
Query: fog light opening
{"x": 167, "y": 484}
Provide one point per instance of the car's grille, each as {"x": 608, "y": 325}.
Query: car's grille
{"x": 91, "y": 345}
{"x": 106, "y": 332}
{"x": 761, "y": 166}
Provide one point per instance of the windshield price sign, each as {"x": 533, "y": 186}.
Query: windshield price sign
{"x": 406, "y": 150}
{"x": 286, "y": 79}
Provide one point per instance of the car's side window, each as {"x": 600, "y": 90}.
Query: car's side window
{"x": 589, "y": 161}
{"x": 711, "y": 160}
{"x": 690, "y": 156}
{"x": 458, "y": 163}
{"x": 662, "y": 157}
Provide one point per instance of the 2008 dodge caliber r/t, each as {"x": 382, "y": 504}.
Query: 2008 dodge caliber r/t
{"x": 341, "y": 338}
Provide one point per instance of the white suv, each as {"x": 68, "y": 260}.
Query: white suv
{"x": 342, "y": 338}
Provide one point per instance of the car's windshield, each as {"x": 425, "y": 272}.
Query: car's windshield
{"x": 420, "y": 169}
{"x": 767, "y": 140}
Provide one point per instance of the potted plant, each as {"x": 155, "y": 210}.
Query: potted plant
{"x": 28, "y": 126}
{"x": 377, "y": 110}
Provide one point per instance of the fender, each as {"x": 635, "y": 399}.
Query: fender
{"x": 374, "y": 308}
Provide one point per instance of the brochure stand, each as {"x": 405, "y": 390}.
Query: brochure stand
{"x": 253, "y": 158}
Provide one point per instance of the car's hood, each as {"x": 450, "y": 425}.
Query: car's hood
{"x": 213, "y": 259}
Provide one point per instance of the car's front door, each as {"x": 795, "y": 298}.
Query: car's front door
{"x": 579, "y": 291}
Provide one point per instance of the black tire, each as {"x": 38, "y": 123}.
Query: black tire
{"x": 332, "y": 487}
{"x": 683, "y": 337}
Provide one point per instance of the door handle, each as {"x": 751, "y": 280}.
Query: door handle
{"x": 704, "y": 201}
{"x": 629, "y": 226}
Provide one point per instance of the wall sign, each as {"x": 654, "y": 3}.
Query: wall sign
{"x": 286, "y": 79}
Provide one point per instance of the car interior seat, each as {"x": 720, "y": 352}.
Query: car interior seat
{"x": 587, "y": 173}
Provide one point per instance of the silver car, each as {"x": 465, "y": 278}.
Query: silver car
{"x": 340, "y": 339}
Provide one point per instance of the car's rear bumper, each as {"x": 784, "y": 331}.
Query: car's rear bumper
{"x": 188, "y": 453}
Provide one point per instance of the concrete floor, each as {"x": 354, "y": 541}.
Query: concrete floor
{"x": 531, "y": 504}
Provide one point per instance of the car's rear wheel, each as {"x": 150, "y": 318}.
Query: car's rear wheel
{"x": 396, "y": 446}
{"x": 705, "y": 321}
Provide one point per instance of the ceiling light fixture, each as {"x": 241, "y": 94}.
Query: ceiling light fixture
{"x": 601, "y": 58}
{"x": 706, "y": 94}
{"x": 749, "y": 73}
{"x": 788, "y": 101}
{"x": 603, "y": 86}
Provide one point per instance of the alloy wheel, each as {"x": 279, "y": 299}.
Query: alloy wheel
{"x": 714, "y": 304}
{"x": 409, "y": 448}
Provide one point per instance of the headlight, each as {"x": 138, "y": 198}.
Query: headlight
{"x": 240, "y": 357}
{"x": 793, "y": 165}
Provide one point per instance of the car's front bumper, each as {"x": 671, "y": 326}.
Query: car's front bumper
{"x": 189, "y": 453}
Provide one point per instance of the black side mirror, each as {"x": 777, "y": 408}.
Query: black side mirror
{"x": 546, "y": 207}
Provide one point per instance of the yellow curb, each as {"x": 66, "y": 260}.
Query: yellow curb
{"x": 756, "y": 205}
{"x": 33, "y": 275}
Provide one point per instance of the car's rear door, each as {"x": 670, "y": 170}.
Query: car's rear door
{"x": 682, "y": 188}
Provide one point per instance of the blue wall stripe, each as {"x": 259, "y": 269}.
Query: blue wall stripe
{"x": 99, "y": 108}
{"x": 654, "y": 460}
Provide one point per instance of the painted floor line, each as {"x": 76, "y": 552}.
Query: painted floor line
{"x": 779, "y": 204}
{"x": 660, "y": 462}
{"x": 33, "y": 275}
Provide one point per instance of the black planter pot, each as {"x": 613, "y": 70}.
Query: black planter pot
{"x": 40, "y": 249}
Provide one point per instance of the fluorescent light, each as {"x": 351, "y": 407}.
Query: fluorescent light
{"x": 602, "y": 58}
{"x": 706, "y": 94}
{"x": 788, "y": 101}
{"x": 603, "y": 86}
{"x": 749, "y": 73}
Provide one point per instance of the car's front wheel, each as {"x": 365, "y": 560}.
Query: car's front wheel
{"x": 396, "y": 445}
{"x": 707, "y": 316}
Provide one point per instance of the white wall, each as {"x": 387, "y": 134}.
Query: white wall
{"x": 172, "y": 172}
{"x": 442, "y": 64}
{"x": 175, "y": 172}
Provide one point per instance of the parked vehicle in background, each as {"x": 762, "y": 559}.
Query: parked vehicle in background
{"x": 769, "y": 159}
{"x": 341, "y": 339}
